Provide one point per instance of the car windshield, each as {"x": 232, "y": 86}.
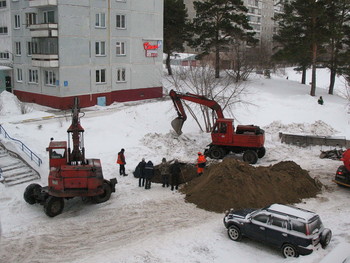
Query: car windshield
{"x": 315, "y": 224}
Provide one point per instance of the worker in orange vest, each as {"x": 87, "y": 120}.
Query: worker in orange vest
{"x": 121, "y": 162}
{"x": 201, "y": 162}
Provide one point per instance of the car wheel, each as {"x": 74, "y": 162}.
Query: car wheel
{"x": 261, "y": 152}
{"x": 326, "y": 237}
{"x": 31, "y": 192}
{"x": 107, "y": 191}
{"x": 289, "y": 251}
{"x": 250, "y": 157}
{"x": 217, "y": 152}
{"x": 53, "y": 206}
{"x": 234, "y": 233}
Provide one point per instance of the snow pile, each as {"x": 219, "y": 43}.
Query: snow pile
{"x": 318, "y": 128}
{"x": 9, "y": 104}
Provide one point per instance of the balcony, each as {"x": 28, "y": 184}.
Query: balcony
{"x": 43, "y": 30}
{"x": 42, "y": 3}
{"x": 45, "y": 60}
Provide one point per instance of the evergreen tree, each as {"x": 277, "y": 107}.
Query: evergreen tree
{"x": 303, "y": 31}
{"x": 338, "y": 18}
{"x": 218, "y": 23}
{"x": 175, "y": 28}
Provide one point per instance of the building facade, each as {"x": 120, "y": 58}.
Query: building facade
{"x": 5, "y": 47}
{"x": 99, "y": 50}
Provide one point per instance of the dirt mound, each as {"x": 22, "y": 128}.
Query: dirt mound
{"x": 235, "y": 184}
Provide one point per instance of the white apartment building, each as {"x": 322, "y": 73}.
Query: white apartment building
{"x": 99, "y": 50}
{"x": 5, "y": 46}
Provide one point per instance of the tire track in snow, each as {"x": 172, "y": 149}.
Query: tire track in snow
{"x": 65, "y": 239}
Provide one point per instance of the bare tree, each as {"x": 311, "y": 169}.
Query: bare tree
{"x": 202, "y": 81}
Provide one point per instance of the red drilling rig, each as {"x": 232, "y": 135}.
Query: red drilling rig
{"x": 71, "y": 175}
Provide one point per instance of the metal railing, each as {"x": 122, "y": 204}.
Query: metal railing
{"x": 24, "y": 148}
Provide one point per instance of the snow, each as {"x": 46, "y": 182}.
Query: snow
{"x": 157, "y": 225}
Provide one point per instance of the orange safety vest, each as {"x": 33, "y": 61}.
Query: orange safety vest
{"x": 121, "y": 158}
{"x": 201, "y": 159}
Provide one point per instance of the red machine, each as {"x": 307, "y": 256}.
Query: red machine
{"x": 247, "y": 139}
{"x": 71, "y": 175}
{"x": 342, "y": 176}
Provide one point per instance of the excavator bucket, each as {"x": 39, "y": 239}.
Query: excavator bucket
{"x": 177, "y": 124}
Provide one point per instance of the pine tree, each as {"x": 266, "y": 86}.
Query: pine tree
{"x": 306, "y": 20}
{"x": 338, "y": 18}
{"x": 217, "y": 23}
{"x": 175, "y": 28}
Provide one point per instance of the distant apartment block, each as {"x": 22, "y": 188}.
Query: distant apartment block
{"x": 101, "y": 51}
{"x": 260, "y": 15}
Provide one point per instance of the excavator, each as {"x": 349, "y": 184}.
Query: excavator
{"x": 342, "y": 176}
{"x": 71, "y": 174}
{"x": 246, "y": 139}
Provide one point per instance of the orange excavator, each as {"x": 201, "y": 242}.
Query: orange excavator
{"x": 342, "y": 176}
{"x": 246, "y": 139}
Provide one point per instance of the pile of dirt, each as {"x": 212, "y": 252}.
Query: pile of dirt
{"x": 235, "y": 184}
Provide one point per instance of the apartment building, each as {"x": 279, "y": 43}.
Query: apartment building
{"x": 99, "y": 50}
{"x": 5, "y": 47}
{"x": 260, "y": 15}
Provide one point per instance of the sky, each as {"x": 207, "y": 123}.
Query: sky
{"x": 157, "y": 225}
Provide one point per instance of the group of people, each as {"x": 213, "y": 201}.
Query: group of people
{"x": 170, "y": 173}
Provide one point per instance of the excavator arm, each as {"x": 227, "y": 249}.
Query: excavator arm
{"x": 177, "y": 98}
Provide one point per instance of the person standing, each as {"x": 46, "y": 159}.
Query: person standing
{"x": 164, "y": 171}
{"x": 175, "y": 175}
{"x": 121, "y": 162}
{"x": 141, "y": 167}
{"x": 149, "y": 172}
{"x": 201, "y": 162}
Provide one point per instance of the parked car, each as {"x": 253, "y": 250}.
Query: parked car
{"x": 294, "y": 230}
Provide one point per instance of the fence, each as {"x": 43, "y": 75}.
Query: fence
{"x": 24, "y": 148}
{"x": 306, "y": 140}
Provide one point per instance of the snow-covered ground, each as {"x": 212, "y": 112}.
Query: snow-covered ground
{"x": 157, "y": 225}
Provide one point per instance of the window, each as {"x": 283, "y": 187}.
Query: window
{"x": 121, "y": 23}
{"x": 261, "y": 218}
{"x": 2, "y": 3}
{"x": 121, "y": 75}
{"x": 30, "y": 19}
{"x": 32, "y": 48}
{"x": 33, "y": 76}
{"x": 4, "y": 55}
{"x": 17, "y": 21}
{"x": 3, "y": 30}
{"x": 49, "y": 17}
{"x": 18, "y": 48}
{"x": 279, "y": 222}
{"x": 100, "y": 48}
{"x": 19, "y": 75}
{"x": 298, "y": 226}
{"x": 120, "y": 48}
{"x": 50, "y": 78}
{"x": 100, "y": 20}
{"x": 101, "y": 76}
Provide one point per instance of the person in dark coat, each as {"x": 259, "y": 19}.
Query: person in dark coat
{"x": 141, "y": 166}
{"x": 164, "y": 171}
{"x": 320, "y": 100}
{"x": 149, "y": 173}
{"x": 175, "y": 171}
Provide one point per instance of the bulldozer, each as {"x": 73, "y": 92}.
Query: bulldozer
{"x": 342, "y": 176}
{"x": 71, "y": 174}
{"x": 246, "y": 139}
